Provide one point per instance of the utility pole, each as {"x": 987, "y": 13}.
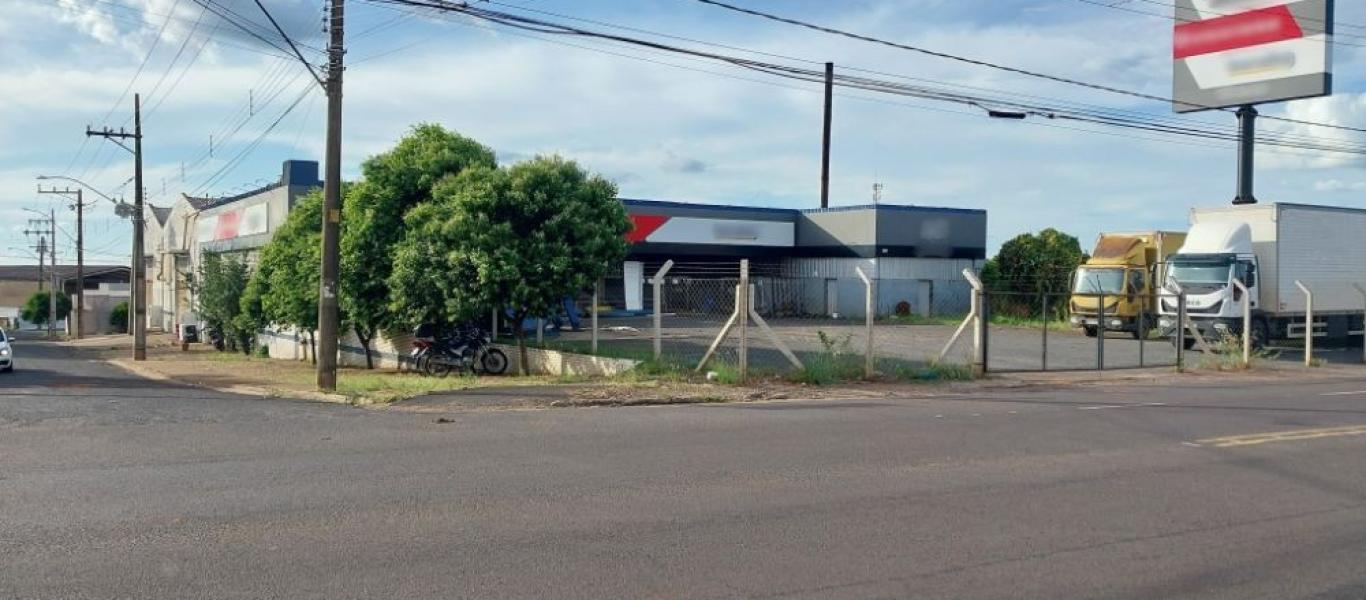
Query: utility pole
{"x": 80, "y": 252}
{"x": 46, "y": 230}
{"x": 139, "y": 274}
{"x": 328, "y": 313}
{"x": 825, "y": 139}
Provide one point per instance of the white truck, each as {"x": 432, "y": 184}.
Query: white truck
{"x": 1269, "y": 247}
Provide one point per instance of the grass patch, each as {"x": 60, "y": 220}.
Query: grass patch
{"x": 933, "y": 372}
{"x": 1226, "y": 354}
{"x": 586, "y": 347}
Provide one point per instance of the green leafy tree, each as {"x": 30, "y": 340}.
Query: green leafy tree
{"x": 35, "y": 310}
{"x": 394, "y": 182}
{"x": 522, "y": 237}
{"x": 118, "y": 317}
{"x": 284, "y": 289}
{"x": 1034, "y": 265}
{"x": 220, "y": 284}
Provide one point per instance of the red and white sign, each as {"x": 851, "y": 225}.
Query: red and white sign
{"x": 660, "y": 229}
{"x": 1236, "y": 52}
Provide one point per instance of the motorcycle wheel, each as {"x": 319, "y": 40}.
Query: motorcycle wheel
{"x": 436, "y": 368}
{"x": 494, "y": 361}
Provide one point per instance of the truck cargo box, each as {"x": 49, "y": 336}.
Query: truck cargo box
{"x": 1322, "y": 246}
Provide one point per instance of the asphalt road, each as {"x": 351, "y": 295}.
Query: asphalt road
{"x": 112, "y": 487}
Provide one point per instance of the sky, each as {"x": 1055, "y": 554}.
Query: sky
{"x": 661, "y": 126}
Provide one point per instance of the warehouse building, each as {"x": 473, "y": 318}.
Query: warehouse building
{"x": 804, "y": 262}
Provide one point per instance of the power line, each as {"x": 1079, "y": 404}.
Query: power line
{"x": 1336, "y": 23}
{"x": 292, "y": 45}
{"x": 1104, "y": 110}
{"x": 1000, "y": 67}
{"x": 236, "y": 160}
{"x": 881, "y": 86}
{"x": 1332, "y": 39}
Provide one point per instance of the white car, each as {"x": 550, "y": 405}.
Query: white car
{"x": 6, "y": 353}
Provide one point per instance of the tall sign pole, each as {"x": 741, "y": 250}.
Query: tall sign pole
{"x": 1226, "y": 56}
{"x": 1247, "y": 145}
{"x": 329, "y": 314}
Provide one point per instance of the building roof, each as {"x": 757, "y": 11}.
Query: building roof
{"x": 160, "y": 213}
{"x": 30, "y": 272}
{"x": 640, "y": 202}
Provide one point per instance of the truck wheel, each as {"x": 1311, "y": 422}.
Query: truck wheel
{"x": 1261, "y": 333}
{"x": 1090, "y": 331}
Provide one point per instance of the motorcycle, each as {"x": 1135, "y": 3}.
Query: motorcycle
{"x": 468, "y": 348}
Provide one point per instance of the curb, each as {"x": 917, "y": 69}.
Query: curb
{"x": 242, "y": 390}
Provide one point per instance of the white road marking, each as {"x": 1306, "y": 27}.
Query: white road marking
{"x": 1356, "y": 393}
{"x": 1110, "y": 406}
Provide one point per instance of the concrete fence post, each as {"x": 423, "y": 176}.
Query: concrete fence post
{"x": 742, "y": 306}
{"x": 1362, "y": 291}
{"x": 597, "y": 290}
{"x": 870, "y": 309}
{"x": 978, "y": 311}
{"x": 1247, "y": 322}
{"x": 1308, "y": 324}
{"x": 656, "y": 282}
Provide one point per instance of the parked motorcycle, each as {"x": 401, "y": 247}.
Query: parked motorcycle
{"x": 216, "y": 338}
{"x": 466, "y": 348}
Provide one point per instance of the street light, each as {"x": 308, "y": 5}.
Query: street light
{"x": 124, "y": 210}
{"x": 118, "y": 204}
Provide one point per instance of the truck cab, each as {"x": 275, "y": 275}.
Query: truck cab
{"x": 1213, "y": 257}
{"x": 1123, "y": 271}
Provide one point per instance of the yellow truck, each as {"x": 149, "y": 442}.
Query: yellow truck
{"x": 1125, "y": 270}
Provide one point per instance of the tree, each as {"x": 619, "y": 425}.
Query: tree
{"x": 394, "y": 182}
{"x": 1035, "y": 265}
{"x": 220, "y": 284}
{"x": 118, "y": 317}
{"x": 284, "y": 289}
{"x": 36, "y": 309}
{"x": 523, "y": 237}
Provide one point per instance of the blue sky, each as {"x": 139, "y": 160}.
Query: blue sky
{"x": 686, "y": 130}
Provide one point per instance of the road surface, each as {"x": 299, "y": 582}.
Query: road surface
{"x": 113, "y": 487}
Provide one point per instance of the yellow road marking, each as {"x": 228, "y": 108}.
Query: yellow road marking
{"x": 1282, "y": 436}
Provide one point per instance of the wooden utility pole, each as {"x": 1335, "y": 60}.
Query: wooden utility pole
{"x": 139, "y": 274}
{"x": 328, "y": 312}
{"x": 79, "y": 207}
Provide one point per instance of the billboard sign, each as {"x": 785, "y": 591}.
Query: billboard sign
{"x": 1235, "y": 52}
{"x": 661, "y": 229}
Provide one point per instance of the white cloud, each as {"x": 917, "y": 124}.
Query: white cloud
{"x": 1345, "y": 109}
{"x": 1338, "y": 185}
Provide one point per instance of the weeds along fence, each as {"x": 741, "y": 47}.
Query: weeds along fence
{"x": 736, "y": 319}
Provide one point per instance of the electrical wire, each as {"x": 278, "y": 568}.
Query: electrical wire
{"x": 868, "y": 84}
{"x": 1333, "y": 38}
{"x": 1000, "y": 67}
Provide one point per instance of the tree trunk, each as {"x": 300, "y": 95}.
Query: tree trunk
{"x": 365, "y": 344}
{"x": 520, "y": 332}
{"x": 313, "y": 347}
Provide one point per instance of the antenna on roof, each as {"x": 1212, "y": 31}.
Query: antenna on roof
{"x": 877, "y": 192}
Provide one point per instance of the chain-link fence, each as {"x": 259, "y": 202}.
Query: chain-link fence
{"x": 1069, "y": 332}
